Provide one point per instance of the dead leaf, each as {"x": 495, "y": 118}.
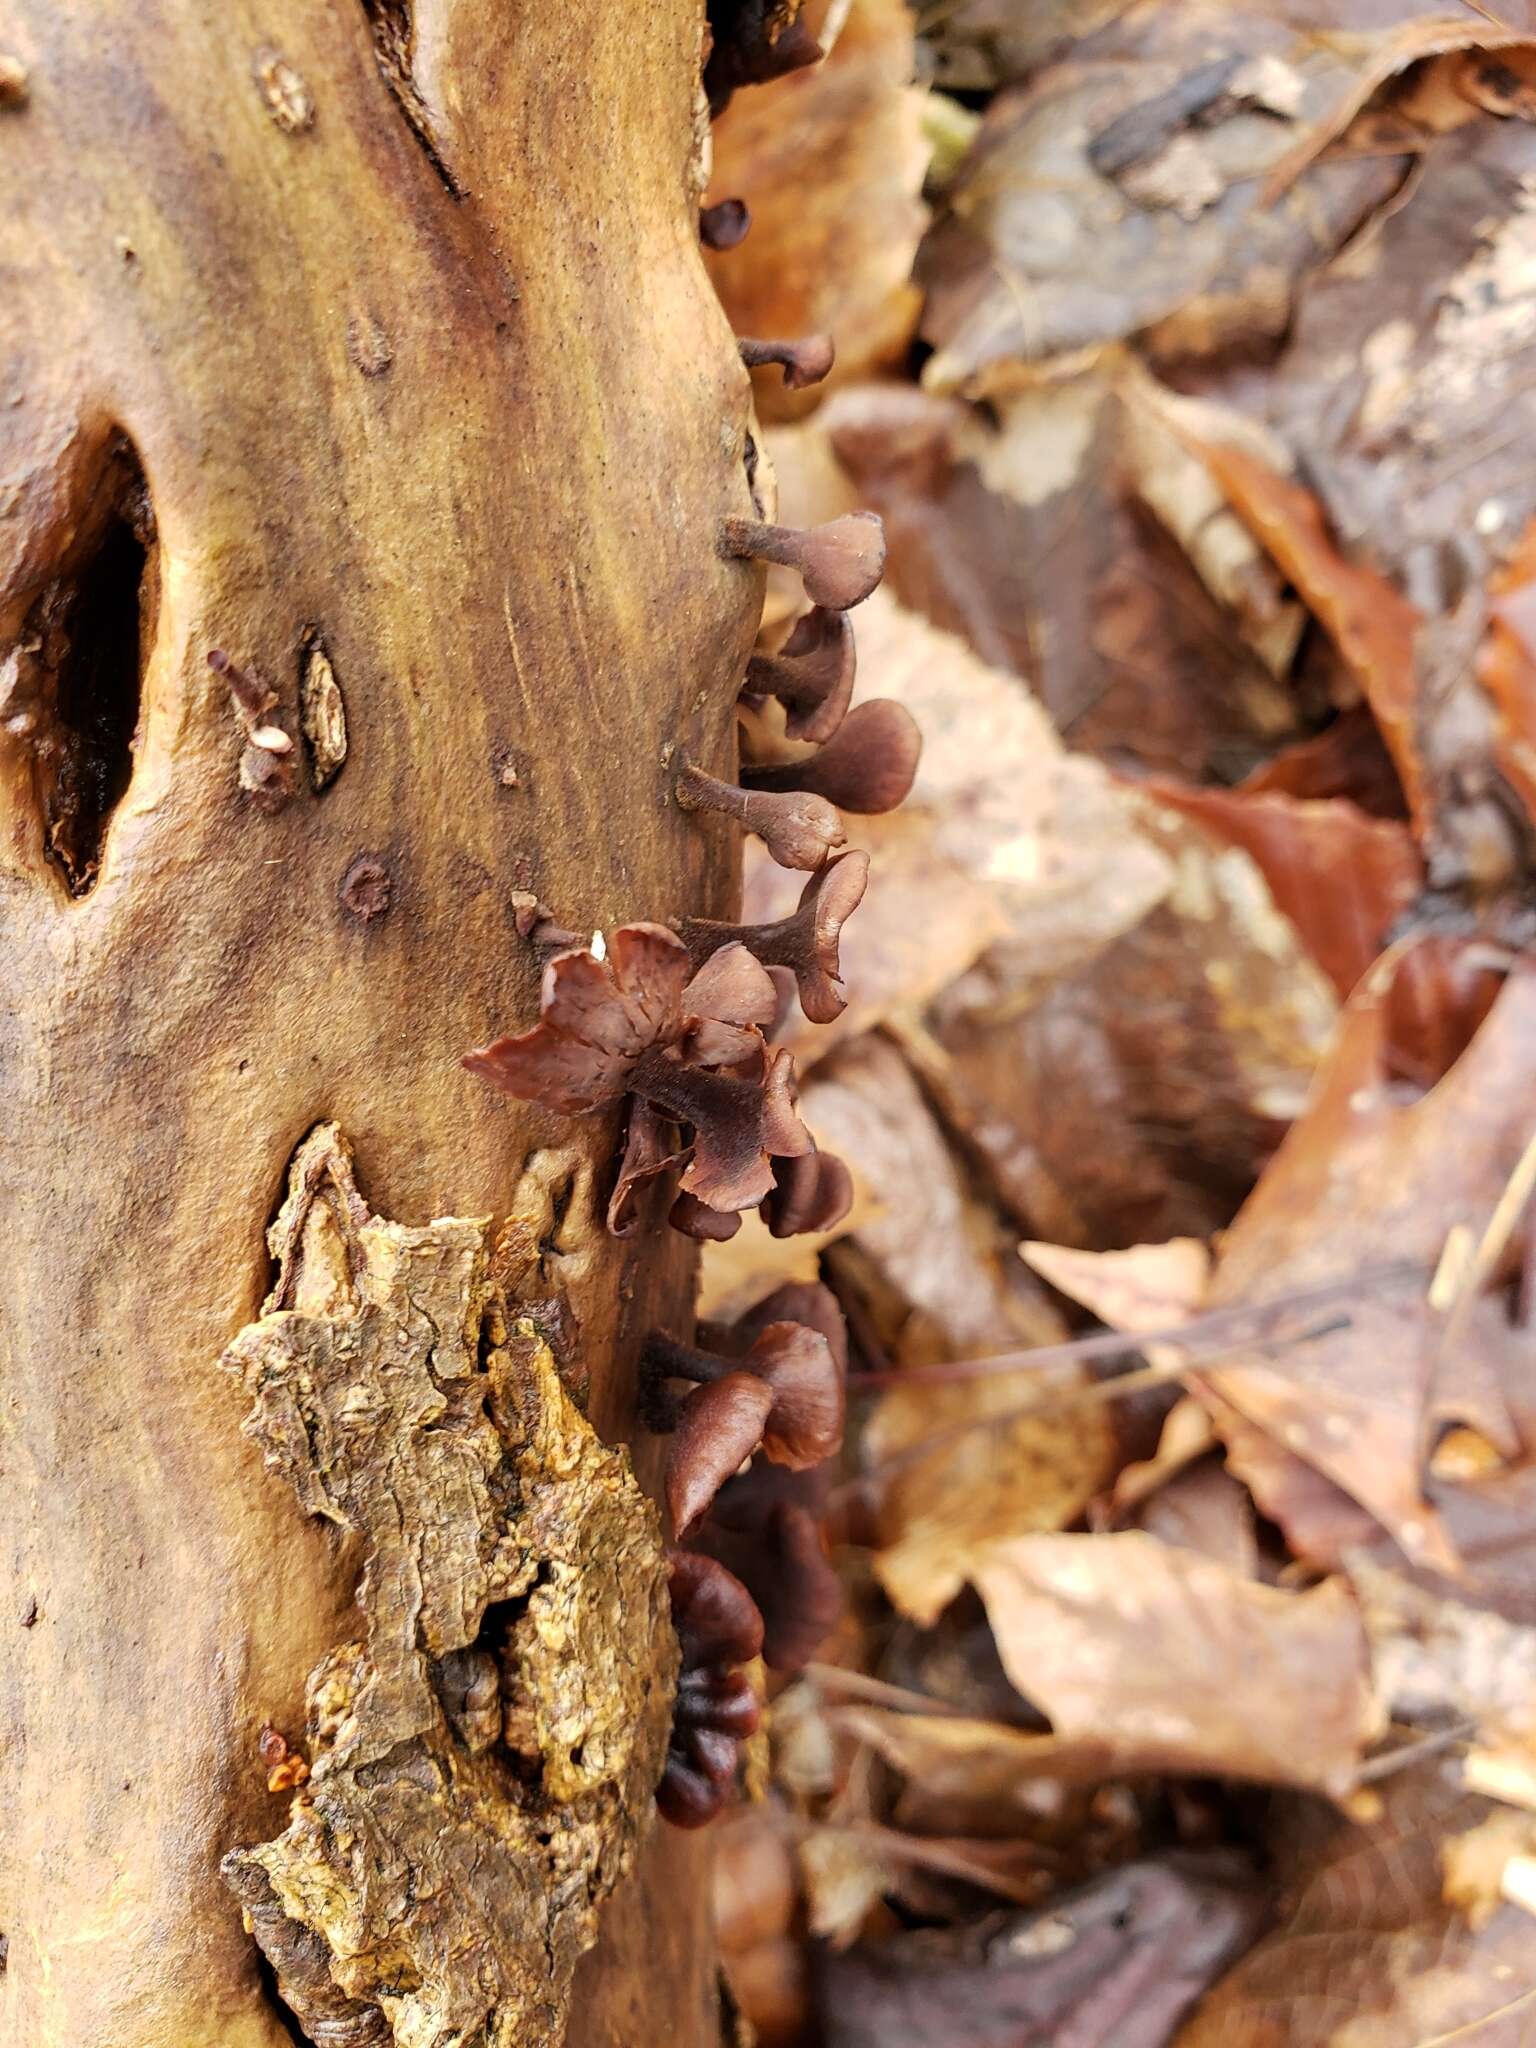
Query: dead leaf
{"x": 976, "y": 1777}
{"x": 1179, "y": 1664}
{"x": 1045, "y": 251}
{"x": 1193, "y": 1039}
{"x": 1367, "y": 1177}
{"x": 1374, "y": 628}
{"x": 1369, "y": 1954}
{"x": 1475, "y": 1864}
{"x": 1147, "y": 1288}
{"x": 1049, "y": 533}
{"x": 1114, "y": 1965}
{"x": 1342, "y": 878}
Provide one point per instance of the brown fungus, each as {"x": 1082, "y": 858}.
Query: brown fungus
{"x": 696, "y": 1219}
{"x": 811, "y": 675}
{"x": 799, "y": 831}
{"x": 536, "y": 922}
{"x": 719, "y": 1425}
{"x": 652, "y": 1147}
{"x": 804, "y": 363}
{"x": 868, "y": 765}
{"x": 805, "y": 942}
{"x": 775, "y": 1546}
{"x": 814, "y": 1192}
{"x": 804, "y": 1423}
{"x": 623, "y": 1023}
{"x": 715, "y": 1710}
{"x": 765, "y": 1524}
{"x": 725, "y": 224}
{"x": 839, "y": 563}
{"x": 753, "y": 42}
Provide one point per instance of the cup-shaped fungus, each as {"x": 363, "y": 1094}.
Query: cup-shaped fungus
{"x": 718, "y": 1629}
{"x": 765, "y": 1523}
{"x": 839, "y": 563}
{"x": 774, "y": 1545}
{"x": 867, "y": 766}
{"x": 806, "y": 942}
{"x": 725, "y": 224}
{"x": 715, "y": 1426}
{"x": 632, "y": 1022}
{"x": 813, "y": 1192}
{"x": 805, "y": 362}
{"x": 811, "y": 675}
{"x": 696, "y": 1219}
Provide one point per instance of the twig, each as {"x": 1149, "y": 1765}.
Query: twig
{"x": 1393, "y": 1760}
{"x": 1111, "y": 1343}
{"x": 1056, "y": 1400}
{"x": 834, "y": 1678}
{"x": 1507, "y": 1212}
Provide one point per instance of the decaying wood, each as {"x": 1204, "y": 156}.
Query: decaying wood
{"x": 408, "y": 357}
{"x": 483, "y": 1763}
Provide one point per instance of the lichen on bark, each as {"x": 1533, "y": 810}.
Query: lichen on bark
{"x": 483, "y": 1761}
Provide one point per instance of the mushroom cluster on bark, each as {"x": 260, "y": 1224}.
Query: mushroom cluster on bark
{"x": 718, "y": 1629}
{"x": 676, "y": 1022}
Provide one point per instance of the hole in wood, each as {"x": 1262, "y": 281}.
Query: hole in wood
{"x": 75, "y": 696}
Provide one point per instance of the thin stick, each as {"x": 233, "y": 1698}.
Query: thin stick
{"x": 1399, "y": 1759}
{"x": 1507, "y": 1212}
{"x": 1111, "y": 1343}
{"x": 834, "y": 1678}
{"x": 1057, "y": 1399}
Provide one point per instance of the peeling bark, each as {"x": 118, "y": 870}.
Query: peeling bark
{"x": 450, "y": 1847}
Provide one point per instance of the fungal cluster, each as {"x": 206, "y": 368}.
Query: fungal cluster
{"x": 675, "y": 1022}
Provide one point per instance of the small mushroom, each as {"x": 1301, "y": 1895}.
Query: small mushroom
{"x": 622, "y": 1024}
{"x": 804, "y": 1421}
{"x": 804, "y": 362}
{"x": 268, "y": 761}
{"x": 725, "y": 224}
{"x": 537, "y": 922}
{"x": 806, "y": 942}
{"x": 799, "y": 831}
{"x": 696, "y": 1219}
{"x": 715, "y": 1710}
{"x": 839, "y": 563}
{"x": 813, "y": 1192}
{"x": 765, "y": 1524}
{"x": 753, "y": 45}
{"x": 775, "y": 1546}
{"x": 795, "y": 1301}
{"x": 811, "y": 675}
{"x": 866, "y": 767}
{"x": 719, "y": 1426}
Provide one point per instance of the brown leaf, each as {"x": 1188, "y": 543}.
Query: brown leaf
{"x": 1342, "y": 878}
{"x": 972, "y": 1776}
{"x": 1041, "y": 532}
{"x": 1369, "y": 1954}
{"x": 1507, "y": 666}
{"x": 1366, "y": 1178}
{"x": 1193, "y": 1039}
{"x": 1189, "y": 258}
{"x": 1179, "y": 1664}
{"x": 1113, "y": 1965}
{"x": 830, "y": 161}
{"x": 1374, "y": 628}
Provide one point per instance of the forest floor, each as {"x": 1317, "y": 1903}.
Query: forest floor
{"x": 1185, "y": 1690}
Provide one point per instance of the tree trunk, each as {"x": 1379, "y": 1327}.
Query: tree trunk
{"x": 374, "y": 357}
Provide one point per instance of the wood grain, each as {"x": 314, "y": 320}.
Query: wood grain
{"x": 480, "y": 445}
